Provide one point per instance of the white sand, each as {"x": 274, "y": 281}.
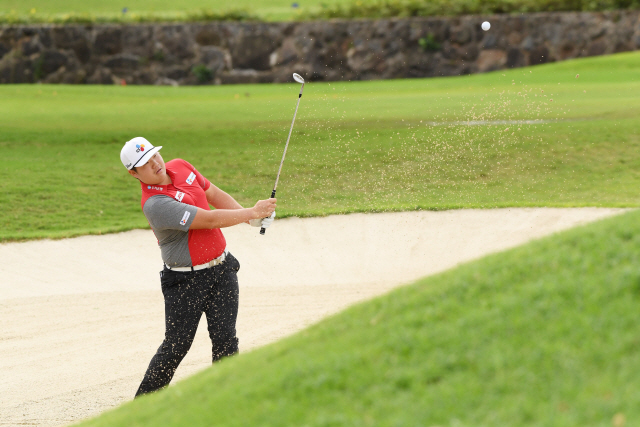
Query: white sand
{"x": 81, "y": 318}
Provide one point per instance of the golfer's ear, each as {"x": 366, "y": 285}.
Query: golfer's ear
{"x": 132, "y": 173}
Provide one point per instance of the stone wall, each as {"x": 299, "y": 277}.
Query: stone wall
{"x": 226, "y": 52}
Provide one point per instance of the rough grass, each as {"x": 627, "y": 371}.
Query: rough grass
{"x": 542, "y": 335}
{"x": 356, "y": 146}
{"x": 94, "y": 11}
{"x": 149, "y": 10}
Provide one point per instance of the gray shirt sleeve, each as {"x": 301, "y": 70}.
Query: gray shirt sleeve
{"x": 166, "y": 213}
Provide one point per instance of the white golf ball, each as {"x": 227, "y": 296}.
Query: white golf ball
{"x": 486, "y": 25}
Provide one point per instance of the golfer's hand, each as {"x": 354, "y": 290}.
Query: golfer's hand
{"x": 264, "y": 208}
{"x": 266, "y": 222}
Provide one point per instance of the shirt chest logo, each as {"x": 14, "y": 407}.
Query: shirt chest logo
{"x": 179, "y": 196}
{"x": 191, "y": 178}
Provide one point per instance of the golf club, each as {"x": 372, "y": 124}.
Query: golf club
{"x": 299, "y": 79}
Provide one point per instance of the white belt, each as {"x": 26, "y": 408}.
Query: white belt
{"x": 211, "y": 263}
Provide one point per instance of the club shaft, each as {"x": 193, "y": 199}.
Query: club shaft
{"x": 288, "y": 138}
{"x": 273, "y": 193}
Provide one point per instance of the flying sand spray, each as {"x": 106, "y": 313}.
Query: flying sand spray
{"x": 300, "y": 80}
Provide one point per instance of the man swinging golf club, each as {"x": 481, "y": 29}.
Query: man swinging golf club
{"x": 199, "y": 273}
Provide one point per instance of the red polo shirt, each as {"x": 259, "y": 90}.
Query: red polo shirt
{"x": 187, "y": 187}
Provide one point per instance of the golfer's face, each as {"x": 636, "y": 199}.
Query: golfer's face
{"x": 152, "y": 172}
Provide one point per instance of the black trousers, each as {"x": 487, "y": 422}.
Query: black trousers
{"x": 187, "y": 295}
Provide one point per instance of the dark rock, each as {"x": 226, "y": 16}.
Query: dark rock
{"x": 101, "y": 76}
{"x": 252, "y": 51}
{"x": 238, "y": 76}
{"x": 527, "y": 43}
{"x": 123, "y": 63}
{"x": 566, "y": 50}
{"x": 215, "y": 59}
{"x": 138, "y": 40}
{"x": 144, "y": 77}
{"x": 5, "y": 74}
{"x": 231, "y": 52}
{"x": 515, "y": 58}
{"x": 64, "y": 76}
{"x": 331, "y": 57}
{"x": 490, "y": 41}
{"x": 177, "y": 73}
{"x": 209, "y": 35}
{"x": 16, "y": 70}
{"x": 539, "y": 55}
{"x": 470, "y": 53}
{"x": 467, "y": 53}
{"x": 4, "y": 49}
{"x": 108, "y": 41}
{"x": 598, "y": 47}
{"x": 461, "y": 34}
{"x": 176, "y": 40}
{"x": 393, "y": 66}
{"x": 286, "y": 54}
{"x": 164, "y": 81}
{"x": 363, "y": 59}
{"x": 30, "y": 45}
{"x": 44, "y": 37}
{"x": 67, "y": 37}
{"x": 24, "y": 71}
{"x": 491, "y": 60}
{"x": 51, "y": 60}
{"x": 72, "y": 37}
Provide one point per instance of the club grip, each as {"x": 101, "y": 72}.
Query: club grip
{"x": 262, "y": 229}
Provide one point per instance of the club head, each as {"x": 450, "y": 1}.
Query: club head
{"x": 297, "y": 77}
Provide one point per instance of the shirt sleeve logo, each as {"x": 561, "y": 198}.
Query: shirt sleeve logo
{"x": 191, "y": 178}
{"x": 185, "y": 217}
{"x": 179, "y": 195}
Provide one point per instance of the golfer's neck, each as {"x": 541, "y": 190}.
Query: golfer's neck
{"x": 165, "y": 181}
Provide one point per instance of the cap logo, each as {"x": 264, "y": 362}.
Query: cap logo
{"x": 139, "y": 148}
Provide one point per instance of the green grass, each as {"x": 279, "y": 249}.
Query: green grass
{"x": 94, "y": 11}
{"x": 272, "y": 10}
{"x": 405, "y": 8}
{"x": 542, "y": 335}
{"x": 356, "y": 146}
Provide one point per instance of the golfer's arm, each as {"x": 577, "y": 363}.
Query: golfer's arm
{"x": 220, "y": 200}
{"x": 221, "y": 218}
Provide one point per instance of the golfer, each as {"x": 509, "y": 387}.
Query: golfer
{"x": 199, "y": 273}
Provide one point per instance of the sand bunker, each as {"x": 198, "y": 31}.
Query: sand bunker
{"x": 81, "y": 318}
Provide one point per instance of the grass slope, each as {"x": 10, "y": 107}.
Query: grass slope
{"x": 542, "y": 335}
{"x": 356, "y": 146}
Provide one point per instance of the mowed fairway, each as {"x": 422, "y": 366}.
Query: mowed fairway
{"x": 543, "y": 335}
{"x": 356, "y": 146}
{"x": 269, "y": 10}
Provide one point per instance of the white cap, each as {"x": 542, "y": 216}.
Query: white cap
{"x": 137, "y": 152}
